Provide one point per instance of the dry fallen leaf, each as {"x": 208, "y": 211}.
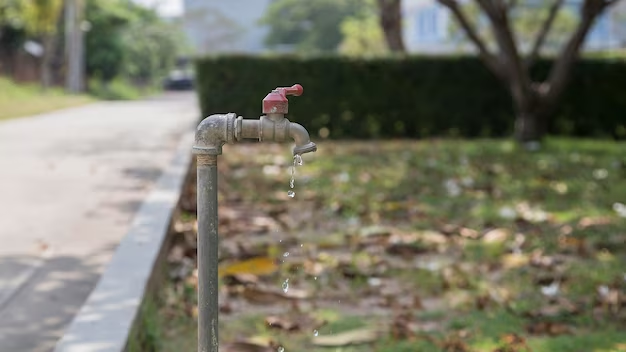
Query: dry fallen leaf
{"x": 250, "y": 345}
{"x": 496, "y": 235}
{"x": 283, "y": 323}
{"x": 267, "y": 295}
{"x": 513, "y": 343}
{"x": 352, "y": 337}
{"x": 547, "y": 328}
{"x": 256, "y": 266}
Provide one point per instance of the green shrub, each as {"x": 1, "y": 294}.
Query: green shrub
{"x": 116, "y": 89}
{"x": 407, "y": 97}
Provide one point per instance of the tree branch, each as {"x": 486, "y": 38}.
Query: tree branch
{"x": 390, "y": 20}
{"x": 543, "y": 33}
{"x": 558, "y": 78}
{"x": 512, "y": 4}
{"x": 489, "y": 59}
{"x": 517, "y": 76}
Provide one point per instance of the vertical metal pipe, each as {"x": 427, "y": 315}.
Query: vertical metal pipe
{"x": 207, "y": 254}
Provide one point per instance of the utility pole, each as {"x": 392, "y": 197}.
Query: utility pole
{"x": 75, "y": 47}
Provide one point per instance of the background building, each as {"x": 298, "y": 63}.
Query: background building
{"x": 427, "y": 28}
{"x": 218, "y": 26}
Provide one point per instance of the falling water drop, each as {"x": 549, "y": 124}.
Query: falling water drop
{"x": 281, "y": 349}
{"x": 297, "y": 161}
{"x": 315, "y": 332}
{"x": 286, "y": 254}
{"x": 286, "y": 286}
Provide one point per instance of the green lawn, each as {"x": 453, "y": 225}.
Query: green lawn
{"x": 434, "y": 245}
{"x": 18, "y": 100}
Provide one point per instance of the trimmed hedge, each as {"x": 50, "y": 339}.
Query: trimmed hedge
{"x": 409, "y": 97}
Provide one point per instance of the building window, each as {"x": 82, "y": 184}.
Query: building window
{"x": 426, "y": 25}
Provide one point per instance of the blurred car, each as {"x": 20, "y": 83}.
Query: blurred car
{"x": 179, "y": 80}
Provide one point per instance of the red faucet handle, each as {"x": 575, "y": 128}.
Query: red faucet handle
{"x": 296, "y": 90}
{"x": 276, "y": 102}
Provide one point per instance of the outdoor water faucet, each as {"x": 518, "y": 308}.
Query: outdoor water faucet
{"x": 212, "y": 133}
{"x": 217, "y": 130}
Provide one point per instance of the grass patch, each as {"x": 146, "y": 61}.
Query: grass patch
{"x": 18, "y": 100}
{"x": 446, "y": 245}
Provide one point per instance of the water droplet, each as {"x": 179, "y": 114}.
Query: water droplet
{"x": 301, "y": 245}
{"x": 297, "y": 160}
{"x": 281, "y": 349}
{"x": 291, "y": 194}
{"x": 286, "y": 286}
{"x": 315, "y": 278}
{"x": 286, "y": 254}
{"x": 292, "y": 183}
{"x": 315, "y": 332}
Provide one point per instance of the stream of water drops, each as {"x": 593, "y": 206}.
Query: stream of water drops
{"x": 297, "y": 161}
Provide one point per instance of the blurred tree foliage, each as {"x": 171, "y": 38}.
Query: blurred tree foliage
{"x": 362, "y": 33}
{"x": 37, "y": 19}
{"x": 129, "y": 40}
{"x": 309, "y": 26}
{"x": 12, "y": 33}
{"x": 525, "y": 25}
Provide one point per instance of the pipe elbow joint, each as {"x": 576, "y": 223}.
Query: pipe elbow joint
{"x": 301, "y": 137}
{"x": 213, "y": 132}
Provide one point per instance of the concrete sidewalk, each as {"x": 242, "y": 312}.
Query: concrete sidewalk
{"x": 70, "y": 183}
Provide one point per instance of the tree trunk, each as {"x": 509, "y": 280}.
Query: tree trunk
{"x": 46, "y": 60}
{"x": 530, "y": 126}
{"x": 391, "y": 23}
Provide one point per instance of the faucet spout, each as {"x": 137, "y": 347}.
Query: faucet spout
{"x": 301, "y": 136}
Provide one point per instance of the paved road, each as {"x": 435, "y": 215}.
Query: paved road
{"x": 70, "y": 182}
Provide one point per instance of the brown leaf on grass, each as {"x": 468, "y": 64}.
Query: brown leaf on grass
{"x": 514, "y": 260}
{"x": 370, "y": 236}
{"x": 265, "y": 295}
{"x": 241, "y": 279}
{"x": 256, "y": 266}
{"x": 313, "y": 268}
{"x": 468, "y": 233}
{"x": 251, "y": 345}
{"x": 282, "y": 323}
{"x": 498, "y": 235}
{"x": 589, "y": 221}
{"x": 559, "y": 306}
{"x": 575, "y": 245}
{"x": 610, "y": 298}
{"x": 226, "y": 308}
{"x": 454, "y": 277}
{"x": 538, "y": 259}
{"x": 405, "y": 326}
{"x": 406, "y": 250}
{"x": 513, "y": 343}
{"x": 482, "y": 302}
{"x": 352, "y": 337}
{"x": 455, "y": 342}
{"x": 185, "y": 226}
{"x": 547, "y": 328}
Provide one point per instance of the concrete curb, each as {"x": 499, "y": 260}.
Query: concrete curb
{"x": 105, "y": 321}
